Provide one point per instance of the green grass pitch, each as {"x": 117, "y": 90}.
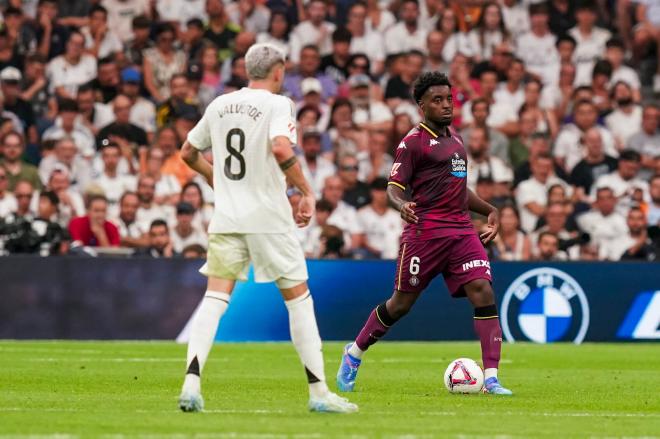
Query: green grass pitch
{"x": 64, "y": 390}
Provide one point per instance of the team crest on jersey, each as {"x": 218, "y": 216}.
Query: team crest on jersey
{"x": 458, "y": 166}
{"x": 414, "y": 281}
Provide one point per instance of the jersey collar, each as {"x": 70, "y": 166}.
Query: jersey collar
{"x": 425, "y": 127}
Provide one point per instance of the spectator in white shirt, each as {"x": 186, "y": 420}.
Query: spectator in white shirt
{"x": 628, "y": 245}
{"x": 184, "y": 232}
{"x": 498, "y": 143}
{"x": 381, "y": 223}
{"x": 407, "y": 34}
{"x": 568, "y": 150}
{"x": 315, "y": 166}
{"x": 502, "y": 115}
{"x": 548, "y": 248}
{"x": 72, "y": 69}
{"x": 647, "y": 140}
{"x": 69, "y": 124}
{"x": 537, "y": 47}
{"x": 100, "y": 41}
{"x": 65, "y": 155}
{"x": 557, "y": 97}
{"x": 615, "y": 53}
{"x": 626, "y": 119}
{"x": 113, "y": 183}
{"x": 489, "y": 32}
{"x": 315, "y": 30}
{"x": 368, "y": 113}
{"x": 513, "y": 90}
{"x": 435, "y": 61}
{"x": 149, "y": 210}
{"x": 603, "y": 223}
{"x": 95, "y": 115}
{"x": 71, "y": 204}
{"x": 591, "y": 40}
{"x": 516, "y": 17}
{"x": 365, "y": 40}
{"x": 143, "y": 111}
{"x": 130, "y": 232}
{"x": 343, "y": 214}
{"x": 654, "y": 204}
{"x": 167, "y": 185}
{"x": 252, "y": 17}
{"x": 121, "y": 14}
{"x": 376, "y": 162}
{"x": 482, "y": 165}
{"x": 624, "y": 181}
{"x": 7, "y": 200}
{"x": 532, "y": 194}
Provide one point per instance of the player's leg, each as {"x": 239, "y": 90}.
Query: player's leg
{"x": 227, "y": 261}
{"x": 307, "y": 341}
{"x": 487, "y": 326}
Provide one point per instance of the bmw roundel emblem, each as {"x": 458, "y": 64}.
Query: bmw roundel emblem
{"x": 544, "y": 305}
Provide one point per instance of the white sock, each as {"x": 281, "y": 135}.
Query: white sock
{"x": 490, "y": 372}
{"x": 355, "y": 352}
{"x": 202, "y": 334}
{"x": 307, "y": 341}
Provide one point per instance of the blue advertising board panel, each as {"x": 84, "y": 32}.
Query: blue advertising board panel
{"x": 108, "y": 298}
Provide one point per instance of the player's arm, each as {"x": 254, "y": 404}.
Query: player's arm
{"x": 286, "y": 158}
{"x": 398, "y": 200}
{"x": 476, "y": 204}
{"x": 196, "y": 161}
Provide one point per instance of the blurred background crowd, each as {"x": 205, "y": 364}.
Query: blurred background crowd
{"x": 555, "y": 102}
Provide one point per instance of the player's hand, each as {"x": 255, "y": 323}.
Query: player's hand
{"x": 492, "y": 227}
{"x": 408, "y": 212}
{"x": 306, "y": 209}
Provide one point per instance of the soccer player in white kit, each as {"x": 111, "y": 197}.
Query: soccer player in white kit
{"x": 251, "y": 132}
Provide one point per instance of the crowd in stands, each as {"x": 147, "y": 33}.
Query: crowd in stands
{"x": 554, "y": 100}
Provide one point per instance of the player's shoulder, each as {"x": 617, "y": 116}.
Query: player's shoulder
{"x": 411, "y": 140}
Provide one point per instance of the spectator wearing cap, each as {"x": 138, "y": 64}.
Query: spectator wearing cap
{"x": 13, "y": 147}
{"x": 94, "y": 230}
{"x": 143, "y": 111}
{"x": 159, "y": 241}
{"x": 128, "y": 136}
{"x": 308, "y": 67}
{"x": 7, "y": 199}
{"x": 66, "y": 155}
{"x": 167, "y": 186}
{"x": 34, "y": 85}
{"x": 594, "y": 165}
{"x": 140, "y": 41}
{"x": 591, "y": 39}
{"x": 624, "y": 181}
{"x": 100, "y": 40}
{"x": 161, "y": 63}
{"x": 537, "y": 47}
{"x": 220, "y": 30}
{"x": 149, "y": 210}
{"x": 502, "y": 115}
{"x": 531, "y": 194}
{"x": 615, "y": 51}
{"x": 646, "y": 141}
{"x": 51, "y": 36}
{"x": 111, "y": 181}
{"x": 121, "y": 14}
{"x": 568, "y": 151}
{"x": 314, "y": 31}
{"x": 356, "y": 192}
{"x": 603, "y": 223}
{"x": 376, "y": 162}
{"x": 498, "y": 145}
{"x": 315, "y": 166}
{"x": 185, "y": 233}
{"x": 72, "y": 69}
{"x": 130, "y": 232}
{"x": 407, "y": 34}
{"x": 368, "y": 113}
{"x": 334, "y": 65}
{"x": 365, "y": 40}
{"x": 10, "y": 78}
{"x": 312, "y": 96}
{"x": 482, "y": 164}
{"x": 399, "y": 87}
{"x": 626, "y": 118}
{"x": 381, "y": 223}
{"x": 249, "y": 15}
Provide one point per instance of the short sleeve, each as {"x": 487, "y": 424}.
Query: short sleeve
{"x": 283, "y": 120}
{"x": 404, "y": 164}
{"x": 200, "y": 135}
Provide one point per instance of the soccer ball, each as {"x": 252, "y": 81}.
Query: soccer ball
{"x": 464, "y": 376}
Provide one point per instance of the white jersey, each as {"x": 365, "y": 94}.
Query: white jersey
{"x": 249, "y": 187}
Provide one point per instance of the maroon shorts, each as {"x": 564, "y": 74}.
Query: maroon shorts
{"x": 460, "y": 260}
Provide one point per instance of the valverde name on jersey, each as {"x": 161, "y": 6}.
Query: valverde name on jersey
{"x": 247, "y": 109}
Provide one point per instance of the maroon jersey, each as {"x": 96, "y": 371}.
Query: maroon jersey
{"x": 435, "y": 168}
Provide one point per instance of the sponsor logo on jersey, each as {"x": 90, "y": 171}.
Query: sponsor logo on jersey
{"x": 476, "y": 263}
{"x": 402, "y": 145}
{"x": 643, "y": 319}
{"x": 395, "y": 169}
{"x": 458, "y": 166}
{"x": 544, "y": 305}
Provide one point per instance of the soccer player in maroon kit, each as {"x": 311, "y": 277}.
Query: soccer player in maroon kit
{"x": 439, "y": 237}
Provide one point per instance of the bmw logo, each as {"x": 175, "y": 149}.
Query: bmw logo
{"x": 544, "y": 305}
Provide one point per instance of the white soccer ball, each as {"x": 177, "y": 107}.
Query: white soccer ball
{"x": 464, "y": 376}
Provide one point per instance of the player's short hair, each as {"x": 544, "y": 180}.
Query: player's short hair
{"x": 427, "y": 80}
{"x": 260, "y": 60}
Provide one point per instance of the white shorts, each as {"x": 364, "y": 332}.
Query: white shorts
{"x": 275, "y": 256}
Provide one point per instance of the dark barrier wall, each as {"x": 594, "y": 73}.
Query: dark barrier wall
{"x": 84, "y": 298}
